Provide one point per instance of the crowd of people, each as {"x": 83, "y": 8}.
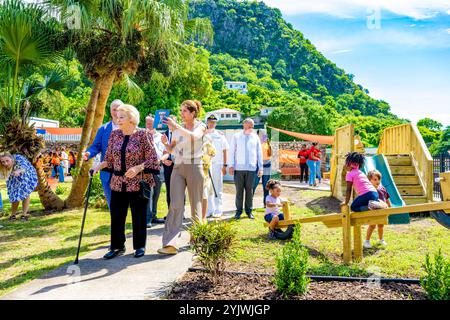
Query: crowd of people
{"x": 59, "y": 162}
{"x": 310, "y": 164}
{"x": 189, "y": 156}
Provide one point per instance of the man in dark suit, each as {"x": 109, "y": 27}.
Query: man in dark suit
{"x": 100, "y": 145}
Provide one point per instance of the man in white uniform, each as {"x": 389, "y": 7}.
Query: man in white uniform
{"x": 218, "y": 166}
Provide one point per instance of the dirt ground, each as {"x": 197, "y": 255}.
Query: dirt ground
{"x": 319, "y": 200}
{"x": 195, "y": 285}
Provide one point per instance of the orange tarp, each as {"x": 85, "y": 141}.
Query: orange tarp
{"x": 288, "y": 157}
{"x": 61, "y": 131}
{"x": 308, "y": 137}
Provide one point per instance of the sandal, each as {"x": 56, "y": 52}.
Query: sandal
{"x": 12, "y": 217}
{"x": 25, "y": 217}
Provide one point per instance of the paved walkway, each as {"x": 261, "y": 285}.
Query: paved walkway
{"x": 125, "y": 277}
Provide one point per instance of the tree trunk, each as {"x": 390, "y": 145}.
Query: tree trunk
{"x": 49, "y": 199}
{"x": 95, "y": 116}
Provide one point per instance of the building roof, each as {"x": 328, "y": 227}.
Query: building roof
{"x": 224, "y": 110}
{"x": 61, "y": 131}
{"x": 235, "y": 82}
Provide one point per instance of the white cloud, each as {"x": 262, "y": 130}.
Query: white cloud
{"x": 341, "y": 51}
{"x": 384, "y": 37}
{"x": 417, "y": 9}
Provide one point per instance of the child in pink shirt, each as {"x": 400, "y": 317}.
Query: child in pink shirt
{"x": 357, "y": 179}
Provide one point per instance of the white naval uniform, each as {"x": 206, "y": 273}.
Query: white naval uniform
{"x": 220, "y": 144}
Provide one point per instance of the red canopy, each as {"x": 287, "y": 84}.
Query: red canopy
{"x": 308, "y": 137}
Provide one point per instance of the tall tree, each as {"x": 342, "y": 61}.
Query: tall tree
{"x": 117, "y": 39}
{"x": 29, "y": 38}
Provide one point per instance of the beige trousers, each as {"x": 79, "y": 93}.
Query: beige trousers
{"x": 183, "y": 175}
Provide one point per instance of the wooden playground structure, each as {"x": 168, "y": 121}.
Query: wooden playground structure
{"x": 411, "y": 166}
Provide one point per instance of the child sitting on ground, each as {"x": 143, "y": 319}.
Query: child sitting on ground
{"x": 357, "y": 179}
{"x": 273, "y": 205}
{"x": 375, "y": 178}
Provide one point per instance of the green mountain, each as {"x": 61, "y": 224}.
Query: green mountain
{"x": 253, "y": 31}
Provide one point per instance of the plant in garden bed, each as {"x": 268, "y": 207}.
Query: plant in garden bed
{"x": 291, "y": 266}
{"x": 212, "y": 243}
{"x": 436, "y": 282}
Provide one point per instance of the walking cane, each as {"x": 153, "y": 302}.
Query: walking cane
{"x": 88, "y": 193}
{"x": 212, "y": 182}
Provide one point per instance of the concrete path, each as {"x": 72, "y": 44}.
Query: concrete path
{"x": 125, "y": 277}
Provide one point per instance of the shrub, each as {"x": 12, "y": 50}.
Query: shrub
{"x": 212, "y": 243}
{"x": 291, "y": 266}
{"x": 60, "y": 189}
{"x": 436, "y": 282}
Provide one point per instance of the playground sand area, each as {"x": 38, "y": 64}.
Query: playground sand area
{"x": 196, "y": 286}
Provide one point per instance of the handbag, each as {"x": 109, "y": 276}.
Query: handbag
{"x": 145, "y": 192}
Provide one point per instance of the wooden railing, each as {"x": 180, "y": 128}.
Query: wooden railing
{"x": 406, "y": 139}
{"x": 343, "y": 143}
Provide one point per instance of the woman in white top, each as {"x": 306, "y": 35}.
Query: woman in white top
{"x": 187, "y": 148}
{"x": 65, "y": 160}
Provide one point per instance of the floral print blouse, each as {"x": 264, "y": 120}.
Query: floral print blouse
{"x": 127, "y": 151}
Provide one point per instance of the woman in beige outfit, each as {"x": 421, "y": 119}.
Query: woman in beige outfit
{"x": 187, "y": 149}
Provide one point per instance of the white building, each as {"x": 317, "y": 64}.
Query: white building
{"x": 226, "y": 114}
{"x": 43, "y": 123}
{"x": 266, "y": 111}
{"x": 236, "y": 85}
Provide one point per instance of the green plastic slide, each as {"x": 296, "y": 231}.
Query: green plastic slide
{"x": 380, "y": 163}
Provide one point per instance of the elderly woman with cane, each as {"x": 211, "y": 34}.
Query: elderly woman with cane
{"x": 21, "y": 181}
{"x": 132, "y": 160}
{"x": 187, "y": 147}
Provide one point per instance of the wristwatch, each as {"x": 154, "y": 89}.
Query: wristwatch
{"x": 225, "y": 165}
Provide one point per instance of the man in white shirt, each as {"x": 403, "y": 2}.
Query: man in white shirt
{"x": 156, "y": 190}
{"x": 218, "y": 166}
{"x": 245, "y": 157}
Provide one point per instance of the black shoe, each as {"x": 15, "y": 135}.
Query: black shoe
{"x": 139, "y": 253}
{"x": 114, "y": 253}
{"x": 237, "y": 216}
{"x": 158, "y": 220}
{"x": 250, "y": 216}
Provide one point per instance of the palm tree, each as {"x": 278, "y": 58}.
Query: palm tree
{"x": 117, "y": 39}
{"x": 28, "y": 39}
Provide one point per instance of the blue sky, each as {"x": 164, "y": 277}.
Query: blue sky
{"x": 398, "y": 49}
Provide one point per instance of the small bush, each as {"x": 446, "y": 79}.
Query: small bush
{"x": 61, "y": 189}
{"x": 436, "y": 282}
{"x": 212, "y": 243}
{"x": 291, "y": 267}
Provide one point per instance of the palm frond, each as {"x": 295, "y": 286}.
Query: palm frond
{"x": 133, "y": 93}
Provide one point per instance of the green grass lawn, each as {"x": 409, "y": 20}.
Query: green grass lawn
{"x": 403, "y": 257}
{"x": 30, "y": 249}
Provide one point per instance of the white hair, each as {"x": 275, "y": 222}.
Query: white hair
{"x": 149, "y": 117}
{"x": 116, "y": 102}
{"x": 131, "y": 112}
{"x": 249, "y": 120}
